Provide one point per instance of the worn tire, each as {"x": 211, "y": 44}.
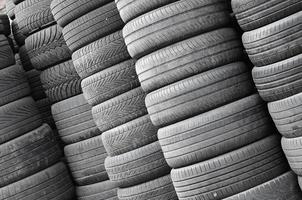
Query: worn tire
{"x": 18, "y": 36}
{"x": 92, "y": 26}
{"x": 44, "y": 106}
{"x": 101, "y": 54}
{"x": 13, "y": 84}
{"x": 120, "y": 109}
{"x": 172, "y": 23}
{"x": 110, "y": 82}
{"x": 129, "y": 136}
{"x": 51, "y": 183}
{"x": 10, "y": 9}
{"x": 291, "y": 148}
{"x": 86, "y": 161}
{"x": 47, "y": 48}
{"x": 231, "y": 173}
{"x": 25, "y": 59}
{"x": 66, "y": 11}
{"x": 199, "y": 93}
{"x": 137, "y": 166}
{"x": 74, "y": 120}
{"x": 188, "y": 58}
{"x": 105, "y": 190}
{"x": 37, "y": 91}
{"x": 28, "y": 154}
{"x": 7, "y": 57}
{"x": 275, "y": 42}
{"x": 4, "y": 25}
{"x": 157, "y": 189}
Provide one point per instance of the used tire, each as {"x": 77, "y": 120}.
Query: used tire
{"x": 25, "y": 59}
{"x": 4, "y": 25}
{"x": 291, "y": 148}
{"x": 44, "y": 106}
{"x": 100, "y": 191}
{"x": 199, "y": 93}
{"x": 7, "y": 57}
{"x": 18, "y": 36}
{"x": 10, "y": 9}
{"x": 37, "y": 91}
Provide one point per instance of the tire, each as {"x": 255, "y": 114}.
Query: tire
{"x": 274, "y": 42}
{"x": 66, "y": 11}
{"x": 216, "y": 132}
{"x": 7, "y": 57}
{"x": 28, "y": 154}
{"x": 253, "y": 14}
{"x": 286, "y": 115}
{"x": 137, "y": 166}
{"x": 101, "y": 54}
{"x": 189, "y": 57}
{"x": 17, "y": 1}
{"x": 25, "y": 59}
{"x": 157, "y": 189}
{"x": 172, "y": 23}
{"x": 129, "y": 136}
{"x": 18, "y": 118}
{"x": 74, "y": 120}
{"x": 44, "y": 106}
{"x": 51, "y": 183}
{"x": 291, "y": 148}
{"x": 130, "y": 9}
{"x": 282, "y": 187}
{"x": 86, "y": 161}
{"x": 33, "y": 15}
{"x": 120, "y": 109}
{"x": 231, "y": 173}
{"x": 4, "y": 25}
{"x": 199, "y": 93}
{"x": 18, "y": 36}
{"x": 47, "y": 48}
{"x": 37, "y": 91}
{"x": 110, "y": 82}
{"x": 92, "y": 26}
{"x": 13, "y": 84}
{"x": 10, "y": 9}
{"x": 105, "y": 190}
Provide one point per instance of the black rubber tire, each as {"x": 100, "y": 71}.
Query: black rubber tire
{"x": 110, "y": 82}
{"x": 32, "y": 15}
{"x": 4, "y": 25}
{"x": 253, "y": 14}
{"x": 47, "y": 48}
{"x": 172, "y": 23}
{"x": 37, "y": 91}
{"x": 44, "y": 106}
{"x": 66, "y": 11}
{"x": 130, "y": 9}
{"x": 120, "y": 109}
{"x": 18, "y": 118}
{"x": 13, "y": 84}
{"x": 129, "y": 136}
{"x": 286, "y": 114}
{"x": 25, "y": 60}
{"x": 92, "y": 26}
{"x": 10, "y": 9}
{"x": 157, "y": 189}
{"x": 51, "y": 183}
{"x": 291, "y": 148}
{"x": 282, "y": 187}
{"x": 279, "y": 80}
{"x": 274, "y": 42}
{"x": 137, "y": 166}
{"x": 188, "y": 58}
{"x": 216, "y": 132}
{"x": 17, "y": 1}
{"x": 86, "y": 161}
{"x": 105, "y": 190}
{"x": 28, "y": 154}
{"x": 101, "y": 54}
{"x": 18, "y": 36}
{"x": 74, "y": 120}
{"x": 199, "y": 93}
{"x": 231, "y": 173}
{"x": 7, "y": 57}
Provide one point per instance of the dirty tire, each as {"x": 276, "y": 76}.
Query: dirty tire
{"x": 37, "y": 91}
{"x": 189, "y": 57}
{"x": 238, "y": 171}
{"x": 137, "y": 166}
{"x": 10, "y": 9}
{"x": 105, "y": 190}
{"x": 25, "y": 59}
{"x": 18, "y": 36}
{"x": 274, "y": 42}
{"x": 110, "y": 82}
{"x": 74, "y": 120}
{"x": 120, "y": 109}
{"x": 291, "y": 148}
{"x": 199, "y": 93}
{"x": 86, "y": 161}
{"x": 7, "y": 57}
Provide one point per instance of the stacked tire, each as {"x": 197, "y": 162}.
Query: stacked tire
{"x": 214, "y": 131}
{"x": 272, "y": 39}
{"x": 30, "y": 155}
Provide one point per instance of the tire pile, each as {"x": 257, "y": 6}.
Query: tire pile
{"x": 272, "y": 39}
{"x": 30, "y": 153}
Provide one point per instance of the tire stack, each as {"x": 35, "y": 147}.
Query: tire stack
{"x": 273, "y": 42}
{"x": 30, "y": 155}
{"x": 214, "y": 132}
{"x": 93, "y": 32}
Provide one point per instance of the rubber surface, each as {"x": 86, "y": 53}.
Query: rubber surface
{"x": 199, "y": 93}
{"x": 37, "y": 91}
{"x": 74, "y": 119}
{"x": 44, "y": 106}
{"x": 18, "y": 36}
{"x": 4, "y": 25}
{"x": 291, "y": 148}
{"x": 7, "y": 57}
{"x": 105, "y": 190}
{"x": 231, "y": 173}
{"x": 25, "y": 59}
{"x": 10, "y": 9}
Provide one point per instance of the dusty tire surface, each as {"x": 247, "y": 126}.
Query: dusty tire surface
{"x": 291, "y": 148}
{"x": 100, "y": 191}
{"x": 7, "y": 57}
